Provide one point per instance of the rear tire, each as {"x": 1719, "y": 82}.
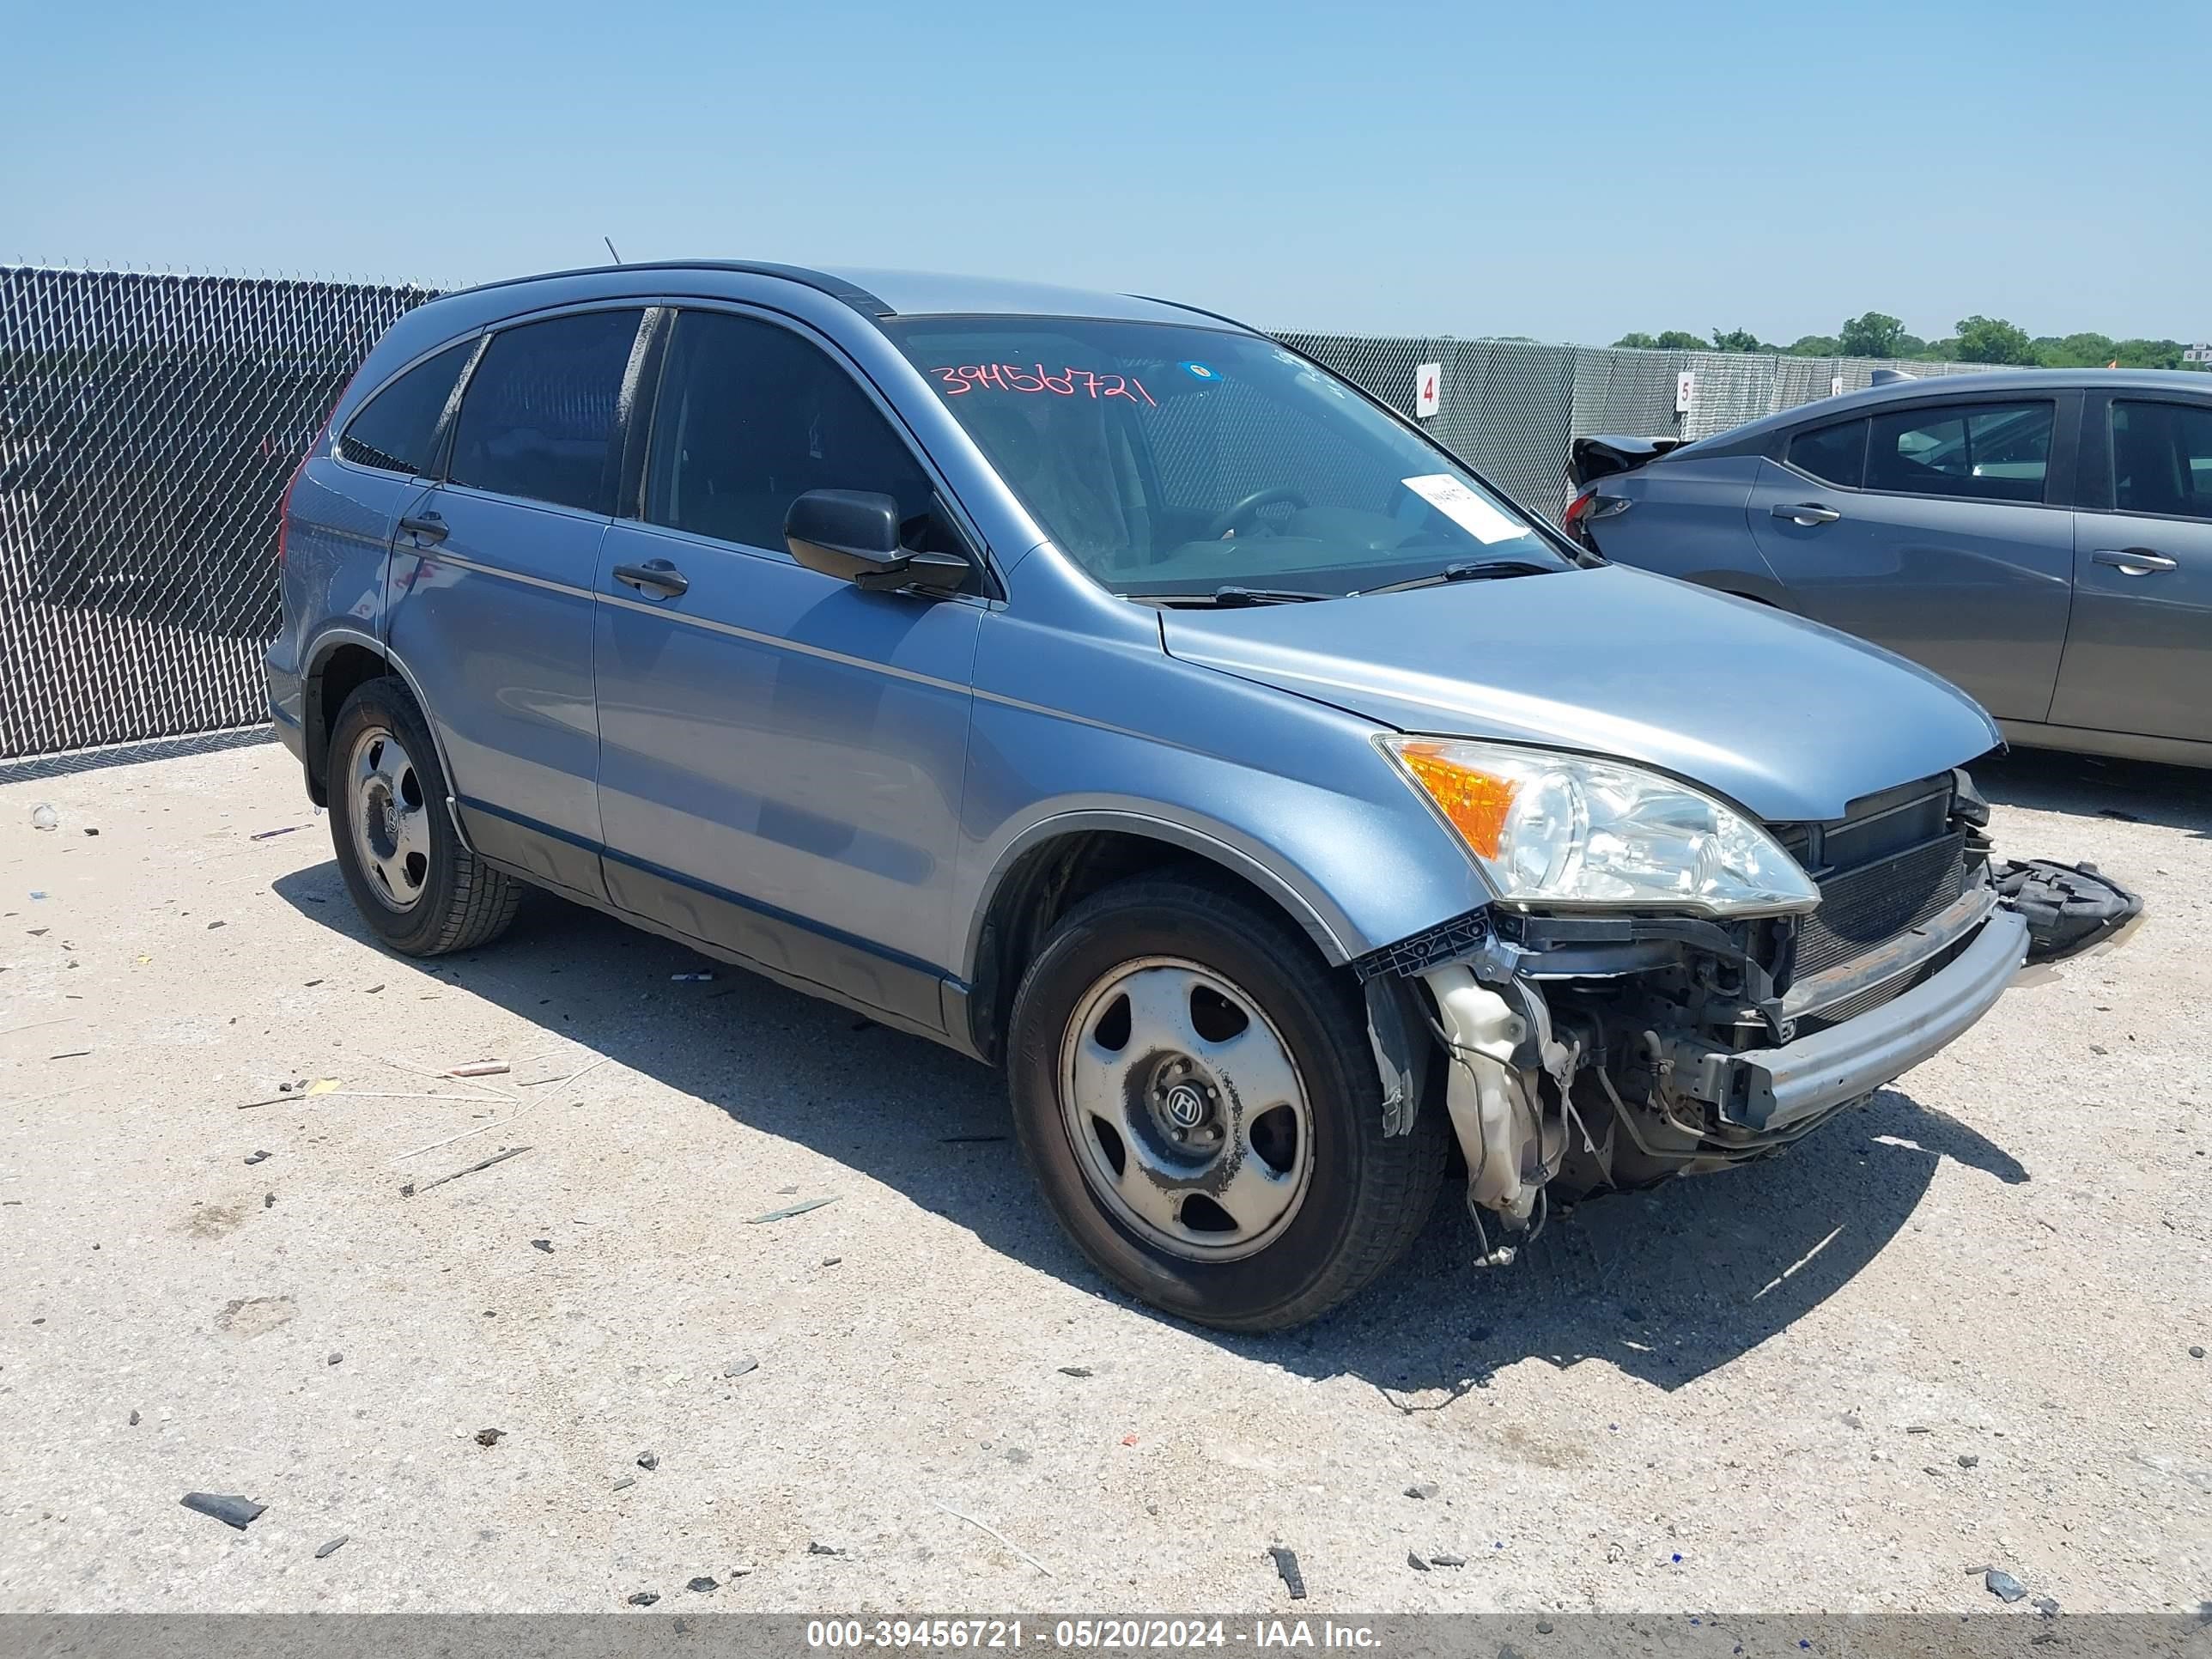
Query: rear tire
{"x": 420, "y": 890}
{"x": 1196, "y": 1092}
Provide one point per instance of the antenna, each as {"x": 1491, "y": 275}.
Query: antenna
{"x": 609, "y": 241}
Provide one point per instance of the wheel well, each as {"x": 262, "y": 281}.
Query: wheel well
{"x": 333, "y": 680}
{"x": 1051, "y": 879}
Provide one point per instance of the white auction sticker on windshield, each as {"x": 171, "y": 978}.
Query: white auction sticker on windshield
{"x": 1465, "y": 508}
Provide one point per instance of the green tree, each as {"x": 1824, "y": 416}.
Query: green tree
{"x": 1912, "y": 345}
{"x": 1872, "y": 334}
{"x": 1738, "y": 339}
{"x": 1993, "y": 340}
{"x": 1814, "y": 345}
{"x": 1675, "y": 339}
{"x": 1636, "y": 341}
{"x": 2147, "y": 354}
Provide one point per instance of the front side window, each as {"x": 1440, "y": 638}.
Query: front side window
{"x": 1169, "y": 460}
{"x": 1980, "y": 452}
{"x": 539, "y": 418}
{"x": 1834, "y": 454}
{"x": 395, "y": 430}
{"x": 2162, "y": 459}
{"x": 750, "y": 418}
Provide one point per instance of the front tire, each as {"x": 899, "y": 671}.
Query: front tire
{"x": 1195, "y": 1092}
{"x": 420, "y": 891}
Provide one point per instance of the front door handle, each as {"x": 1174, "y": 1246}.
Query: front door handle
{"x": 424, "y": 527}
{"x": 1806, "y": 512}
{"x": 2134, "y": 561}
{"x": 655, "y": 576}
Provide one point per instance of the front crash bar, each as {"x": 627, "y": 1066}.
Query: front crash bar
{"x": 1770, "y": 1088}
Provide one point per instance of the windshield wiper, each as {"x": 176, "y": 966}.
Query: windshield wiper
{"x": 1472, "y": 570}
{"x": 1232, "y": 598}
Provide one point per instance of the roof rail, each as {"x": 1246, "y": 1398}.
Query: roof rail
{"x": 836, "y": 287}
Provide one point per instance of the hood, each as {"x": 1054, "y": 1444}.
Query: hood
{"x": 1786, "y": 718}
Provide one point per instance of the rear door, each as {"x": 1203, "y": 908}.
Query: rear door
{"x": 1941, "y": 529}
{"x": 496, "y": 566}
{"x": 782, "y": 754}
{"x": 2139, "y": 651}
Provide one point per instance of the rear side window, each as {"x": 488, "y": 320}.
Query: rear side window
{"x": 1979, "y": 452}
{"x": 1835, "y": 454}
{"x": 2162, "y": 459}
{"x": 751, "y": 417}
{"x": 395, "y": 430}
{"x": 537, "y": 420}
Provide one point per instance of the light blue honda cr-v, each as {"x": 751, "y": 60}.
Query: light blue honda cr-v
{"x": 1096, "y": 686}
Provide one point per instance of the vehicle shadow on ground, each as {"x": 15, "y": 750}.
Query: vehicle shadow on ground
{"x": 1667, "y": 1286}
{"x": 2135, "y": 791}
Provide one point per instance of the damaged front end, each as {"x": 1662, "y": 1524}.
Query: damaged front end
{"x": 1583, "y": 1053}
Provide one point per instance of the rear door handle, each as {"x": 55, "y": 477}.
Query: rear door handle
{"x": 1806, "y": 512}
{"x": 2134, "y": 561}
{"x": 655, "y": 576}
{"x": 424, "y": 527}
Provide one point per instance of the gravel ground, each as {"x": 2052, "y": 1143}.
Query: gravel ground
{"x": 1951, "y": 1330}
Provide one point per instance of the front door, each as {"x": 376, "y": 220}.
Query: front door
{"x": 2139, "y": 651}
{"x": 780, "y": 754}
{"x": 1925, "y": 529}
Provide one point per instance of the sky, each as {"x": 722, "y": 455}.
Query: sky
{"x": 1564, "y": 172}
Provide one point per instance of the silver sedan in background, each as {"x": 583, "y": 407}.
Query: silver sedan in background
{"x": 2042, "y": 538}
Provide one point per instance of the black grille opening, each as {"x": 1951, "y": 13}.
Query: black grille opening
{"x": 1867, "y": 907}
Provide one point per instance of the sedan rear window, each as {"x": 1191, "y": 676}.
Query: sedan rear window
{"x": 1834, "y": 454}
{"x": 1981, "y": 452}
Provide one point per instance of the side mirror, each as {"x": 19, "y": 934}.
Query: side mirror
{"x": 854, "y": 535}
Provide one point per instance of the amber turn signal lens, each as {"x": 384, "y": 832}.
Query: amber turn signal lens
{"x": 1476, "y": 803}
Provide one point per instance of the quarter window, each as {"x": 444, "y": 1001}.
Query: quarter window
{"x": 537, "y": 420}
{"x": 395, "y": 430}
{"x": 1980, "y": 452}
{"x": 2162, "y": 459}
{"x": 750, "y": 418}
{"x": 1836, "y": 454}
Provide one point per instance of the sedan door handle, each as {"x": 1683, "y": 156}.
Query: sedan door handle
{"x": 1806, "y": 512}
{"x": 655, "y": 576}
{"x": 2134, "y": 561}
{"x": 424, "y": 527}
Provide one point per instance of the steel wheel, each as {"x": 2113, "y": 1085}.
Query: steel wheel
{"x": 1186, "y": 1112}
{"x": 390, "y": 814}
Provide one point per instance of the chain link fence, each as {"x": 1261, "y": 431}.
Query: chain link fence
{"x": 148, "y": 423}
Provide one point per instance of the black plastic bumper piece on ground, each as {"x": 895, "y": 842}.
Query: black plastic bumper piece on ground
{"x": 2068, "y": 907}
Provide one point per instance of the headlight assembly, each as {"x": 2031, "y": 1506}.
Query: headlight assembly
{"x": 1554, "y": 828}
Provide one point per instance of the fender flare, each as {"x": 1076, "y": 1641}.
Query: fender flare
{"x": 319, "y": 653}
{"x": 1322, "y": 922}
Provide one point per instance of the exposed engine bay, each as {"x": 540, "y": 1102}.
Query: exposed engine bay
{"x": 1583, "y": 1053}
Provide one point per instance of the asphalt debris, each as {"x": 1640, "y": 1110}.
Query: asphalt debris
{"x": 1447, "y": 1559}
{"x": 227, "y": 1508}
{"x": 2004, "y": 1586}
{"x": 1075, "y": 1371}
{"x": 813, "y": 1548}
{"x": 333, "y": 1547}
{"x": 703, "y": 1584}
{"x": 258, "y": 1157}
{"x": 134, "y": 1419}
{"x": 627, "y": 1480}
{"x": 2196, "y": 1351}
{"x": 333, "y": 1359}
{"x": 644, "y": 1599}
{"x": 544, "y": 1244}
{"x": 789, "y": 1211}
{"x": 648, "y": 1460}
{"x": 740, "y": 1365}
{"x": 1423, "y": 1489}
{"x": 490, "y": 1437}
{"x": 1968, "y": 1460}
{"x": 1287, "y": 1565}
{"x": 1415, "y": 1562}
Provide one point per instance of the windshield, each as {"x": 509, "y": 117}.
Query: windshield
{"x": 1170, "y": 461}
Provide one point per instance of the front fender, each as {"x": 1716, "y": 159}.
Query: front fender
{"x": 1072, "y": 734}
